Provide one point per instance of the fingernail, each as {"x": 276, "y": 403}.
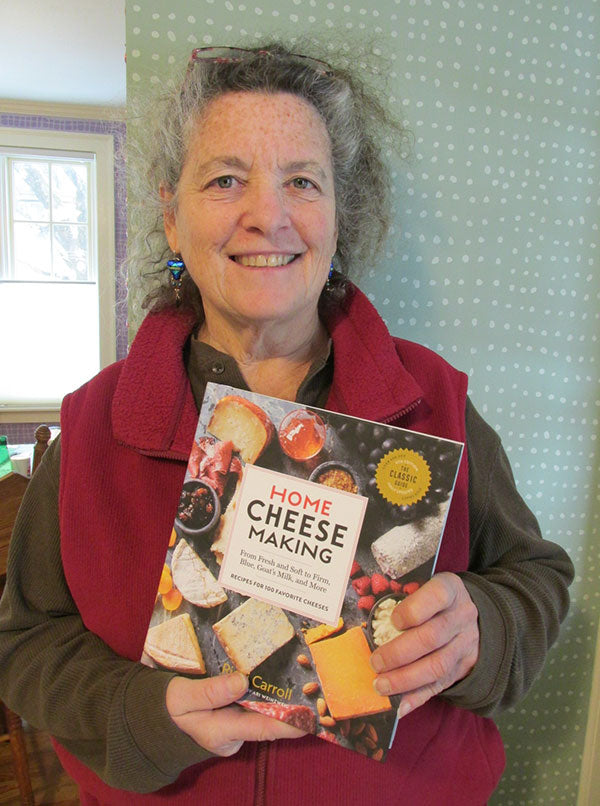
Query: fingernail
{"x": 376, "y": 663}
{"x": 238, "y": 683}
{"x": 382, "y": 685}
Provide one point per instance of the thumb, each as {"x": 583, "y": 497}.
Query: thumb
{"x": 185, "y": 695}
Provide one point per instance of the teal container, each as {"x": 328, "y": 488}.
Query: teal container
{"x": 5, "y": 464}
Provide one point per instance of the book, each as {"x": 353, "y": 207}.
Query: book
{"x": 297, "y": 532}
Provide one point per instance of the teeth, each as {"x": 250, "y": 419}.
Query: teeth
{"x": 262, "y": 260}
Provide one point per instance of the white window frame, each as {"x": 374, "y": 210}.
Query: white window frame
{"x": 102, "y": 147}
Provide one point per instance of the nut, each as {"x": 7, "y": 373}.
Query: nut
{"x": 345, "y": 727}
{"x": 368, "y": 742}
{"x": 371, "y": 733}
{"x": 321, "y": 706}
{"x": 377, "y": 755}
{"x": 360, "y": 748}
{"x": 327, "y": 721}
{"x": 304, "y": 660}
{"x": 357, "y": 728}
{"x": 310, "y": 688}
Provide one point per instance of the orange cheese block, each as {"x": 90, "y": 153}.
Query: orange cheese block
{"x": 346, "y": 676}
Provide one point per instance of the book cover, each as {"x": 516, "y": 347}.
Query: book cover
{"x": 297, "y": 532}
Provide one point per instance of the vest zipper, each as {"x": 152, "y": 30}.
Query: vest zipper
{"x": 262, "y": 752}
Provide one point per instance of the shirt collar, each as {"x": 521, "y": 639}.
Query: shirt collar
{"x": 205, "y": 363}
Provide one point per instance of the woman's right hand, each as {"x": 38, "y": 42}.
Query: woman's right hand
{"x": 205, "y": 710}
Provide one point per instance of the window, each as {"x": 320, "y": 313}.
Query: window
{"x": 57, "y": 266}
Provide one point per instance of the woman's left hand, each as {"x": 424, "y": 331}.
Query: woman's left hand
{"x": 439, "y": 645}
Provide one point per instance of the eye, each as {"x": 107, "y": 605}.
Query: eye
{"x": 223, "y": 182}
{"x": 302, "y": 183}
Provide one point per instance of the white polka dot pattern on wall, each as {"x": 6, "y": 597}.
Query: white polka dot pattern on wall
{"x": 491, "y": 260}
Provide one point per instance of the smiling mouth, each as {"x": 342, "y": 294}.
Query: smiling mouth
{"x": 260, "y": 261}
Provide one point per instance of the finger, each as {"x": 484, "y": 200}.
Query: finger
{"x": 413, "y": 644}
{"x": 420, "y": 641}
{"x": 439, "y": 669}
{"x": 260, "y": 728}
{"x": 185, "y": 695}
{"x": 435, "y": 595}
{"x": 223, "y": 731}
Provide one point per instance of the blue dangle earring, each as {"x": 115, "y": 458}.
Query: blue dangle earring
{"x": 328, "y": 284}
{"x": 176, "y": 268}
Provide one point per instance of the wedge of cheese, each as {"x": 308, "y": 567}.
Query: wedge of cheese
{"x": 253, "y": 632}
{"x": 174, "y": 645}
{"x": 193, "y": 579}
{"x": 346, "y": 677}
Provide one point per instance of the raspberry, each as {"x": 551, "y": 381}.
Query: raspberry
{"x": 356, "y": 569}
{"x": 410, "y": 587}
{"x": 366, "y": 602}
{"x": 395, "y": 587}
{"x": 362, "y": 585}
{"x": 379, "y": 584}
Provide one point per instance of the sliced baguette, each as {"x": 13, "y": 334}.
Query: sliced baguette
{"x": 244, "y": 423}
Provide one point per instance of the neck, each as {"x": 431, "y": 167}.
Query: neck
{"x": 273, "y": 358}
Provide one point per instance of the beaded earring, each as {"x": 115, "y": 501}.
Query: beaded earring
{"x": 329, "y": 284}
{"x": 176, "y": 268}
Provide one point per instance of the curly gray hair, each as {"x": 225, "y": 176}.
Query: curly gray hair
{"x": 357, "y": 124}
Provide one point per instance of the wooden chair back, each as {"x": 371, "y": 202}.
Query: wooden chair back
{"x": 12, "y": 489}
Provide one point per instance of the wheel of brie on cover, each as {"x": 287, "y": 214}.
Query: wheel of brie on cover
{"x": 193, "y": 579}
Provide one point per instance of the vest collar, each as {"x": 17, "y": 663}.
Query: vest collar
{"x": 153, "y": 407}
{"x": 369, "y": 379}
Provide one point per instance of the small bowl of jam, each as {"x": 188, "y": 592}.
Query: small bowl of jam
{"x": 302, "y": 434}
{"x": 336, "y": 474}
{"x": 199, "y": 508}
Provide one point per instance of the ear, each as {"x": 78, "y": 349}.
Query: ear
{"x": 169, "y": 219}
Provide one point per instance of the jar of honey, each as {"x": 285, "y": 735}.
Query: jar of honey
{"x": 302, "y": 434}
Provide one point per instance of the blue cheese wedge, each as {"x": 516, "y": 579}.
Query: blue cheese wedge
{"x": 252, "y": 633}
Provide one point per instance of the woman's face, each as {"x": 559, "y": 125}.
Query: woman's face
{"x": 254, "y": 217}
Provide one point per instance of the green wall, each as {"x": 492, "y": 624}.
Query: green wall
{"x": 492, "y": 260}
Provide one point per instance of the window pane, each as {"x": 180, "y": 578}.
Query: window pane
{"x": 70, "y": 249}
{"x": 56, "y": 325}
{"x": 31, "y": 190}
{"x": 69, "y": 193}
{"x": 33, "y": 258}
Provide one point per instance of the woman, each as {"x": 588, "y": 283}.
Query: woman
{"x": 268, "y": 174}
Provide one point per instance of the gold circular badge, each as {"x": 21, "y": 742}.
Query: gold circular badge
{"x": 403, "y": 477}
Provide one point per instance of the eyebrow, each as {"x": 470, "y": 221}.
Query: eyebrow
{"x": 221, "y": 162}
{"x": 227, "y": 161}
{"x": 307, "y": 165}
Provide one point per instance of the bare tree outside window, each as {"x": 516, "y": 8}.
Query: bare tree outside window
{"x": 50, "y": 220}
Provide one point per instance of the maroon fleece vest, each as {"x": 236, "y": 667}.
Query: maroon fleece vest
{"x": 125, "y": 439}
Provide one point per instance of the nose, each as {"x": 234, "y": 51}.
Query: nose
{"x": 265, "y": 209}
